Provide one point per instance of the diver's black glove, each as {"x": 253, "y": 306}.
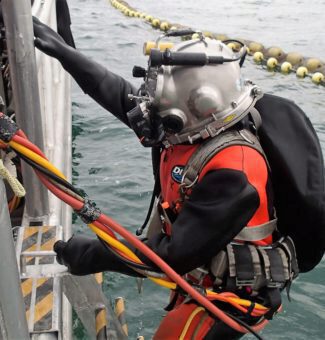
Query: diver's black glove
{"x": 72, "y": 254}
{"x": 47, "y": 40}
{"x": 83, "y": 255}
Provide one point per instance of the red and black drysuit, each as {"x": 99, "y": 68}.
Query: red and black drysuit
{"x": 233, "y": 191}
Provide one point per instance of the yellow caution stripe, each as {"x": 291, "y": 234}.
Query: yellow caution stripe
{"x": 99, "y": 278}
{"x": 38, "y": 293}
{"x": 39, "y": 312}
{"x": 101, "y": 324}
{"x": 120, "y": 313}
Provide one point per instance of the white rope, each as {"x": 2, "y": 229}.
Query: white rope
{"x": 15, "y": 185}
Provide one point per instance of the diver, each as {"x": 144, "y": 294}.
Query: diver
{"x": 214, "y": 219}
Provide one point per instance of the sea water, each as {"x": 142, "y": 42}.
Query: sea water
{"x": 115, "y": 170}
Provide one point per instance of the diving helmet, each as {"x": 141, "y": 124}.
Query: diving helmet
{"x": 196, "y": 91}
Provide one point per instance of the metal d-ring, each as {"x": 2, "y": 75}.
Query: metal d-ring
{"x": 183, "y": 184}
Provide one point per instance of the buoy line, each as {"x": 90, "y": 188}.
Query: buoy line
{"x": 272, "y": 58}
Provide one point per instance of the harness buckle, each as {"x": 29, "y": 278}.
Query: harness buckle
{"x": 242, "y": 283}
{"x": 272, "y": 284}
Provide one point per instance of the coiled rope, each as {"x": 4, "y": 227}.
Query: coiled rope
{"x": 273, "y": 58}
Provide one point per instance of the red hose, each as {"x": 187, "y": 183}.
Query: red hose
{"x": 29, "y": 145}
{"x": 21, "y": 133}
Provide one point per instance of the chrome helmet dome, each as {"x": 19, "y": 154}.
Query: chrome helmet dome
{"x": 197, "y": 102}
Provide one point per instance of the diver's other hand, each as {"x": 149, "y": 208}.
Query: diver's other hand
{"x": 47, "y": 40}
{"x": 78, "y": 254}
{"x": 84, "y": 255}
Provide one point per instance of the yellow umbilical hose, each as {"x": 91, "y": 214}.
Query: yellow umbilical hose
{"x": 36, "y": 158}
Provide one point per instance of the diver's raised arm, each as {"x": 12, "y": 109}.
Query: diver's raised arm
{"x": 108, "y": 89}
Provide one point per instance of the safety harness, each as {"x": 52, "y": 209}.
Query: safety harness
{"x": 243, "y": 264}
{"x": 201, "y": 157}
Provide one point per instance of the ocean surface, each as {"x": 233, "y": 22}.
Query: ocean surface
{"x": 115, "y": 170}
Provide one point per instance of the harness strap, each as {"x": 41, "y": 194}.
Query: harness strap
{"x": 289, "y": 249}
{"x": 276, "y": 268}
{"x": 292, "y": 250}
{"x": 266, "y": 263}
{"x": 218, "y": 267}
{"x": 256, "y": 117}
{"x": 232, "y": 261}
{"x": 285, "y": 263}
{"x": 207, "y": 150}
{"x": 258, "y": 232}
{"x": 274, "y": 297}
{"x": 256, "y": 260}
{"x": 244, "y": 266}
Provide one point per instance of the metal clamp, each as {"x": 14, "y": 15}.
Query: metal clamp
{"x": 89, "y": 212}
{"x": 8, "y": 128}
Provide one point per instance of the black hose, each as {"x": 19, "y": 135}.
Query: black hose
{"x": 48, "y": 173}
{"x": 245, "y": 325}
{"x": 140, "y": 230}
{"x": 243, "y": 56}
{"x": 158, "y": 58}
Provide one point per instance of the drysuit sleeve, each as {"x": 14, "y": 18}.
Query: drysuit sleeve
{"x": 105, "y": 87}
{"x": 216, "y": 211}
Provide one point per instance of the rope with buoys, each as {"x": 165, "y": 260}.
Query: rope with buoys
{"x": 273, "y": 58}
